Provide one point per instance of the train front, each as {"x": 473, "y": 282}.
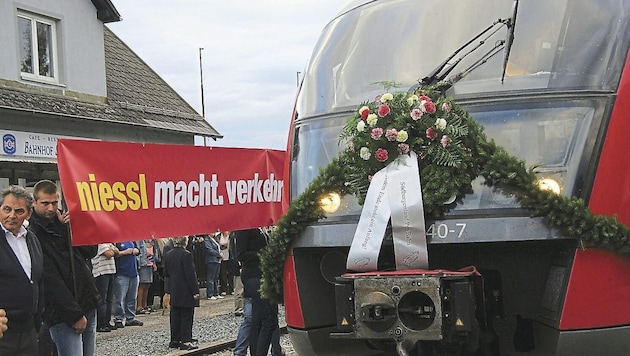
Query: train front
{"x": 546, "y": 81}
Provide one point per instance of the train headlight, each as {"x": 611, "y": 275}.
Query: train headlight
{"x": 549, "y": 184}
{"x": 330, "y": 202}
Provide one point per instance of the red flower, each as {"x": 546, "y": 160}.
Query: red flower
{"x": 431, "y": 134}
{"x": 364, "y": 114}
{"x": 383, "y": 110}
{"x": 381, "y": 155}
{"x": 429, "y": 107}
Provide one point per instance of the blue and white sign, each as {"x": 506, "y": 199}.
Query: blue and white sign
{"x": 8, "y": 144}
{"x": 29, "y": 144}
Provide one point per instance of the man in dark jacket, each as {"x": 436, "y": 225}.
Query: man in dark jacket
{"x": 264, "y": 321}
{"x": 70, "y": 293}
{"x": 21, "y": 274}
{"x": 180, "y": 281}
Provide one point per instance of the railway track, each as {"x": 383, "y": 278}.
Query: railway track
{"x": 216, "y": 347}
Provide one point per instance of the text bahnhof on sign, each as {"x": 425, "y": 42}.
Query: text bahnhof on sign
{"x": 105, "y": 196}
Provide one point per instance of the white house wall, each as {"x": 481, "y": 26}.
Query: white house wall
{"x": 80, "y": 46}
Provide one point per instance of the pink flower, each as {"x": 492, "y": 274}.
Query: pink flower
{"x": 403, "y": 148}
{"x": 376, "y": 133}
{"x": 446, "y": 107}
{"x": 381, "y": 155}
{"x": 416, "y": 114}
{"x": 391, "y": 134}
{"x": 445, "y": 141}
{"x": 431, "y": 133}
{"x": 429, "y": 107}
{"x": 424, "y": 98}
{"x": 383, "y": 110}
{"x": 377, "y": 98}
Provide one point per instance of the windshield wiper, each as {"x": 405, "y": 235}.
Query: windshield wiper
{"x": 438, "y": 74}
{"x": 509, "y": 39}
{"x": 485, "y": 58}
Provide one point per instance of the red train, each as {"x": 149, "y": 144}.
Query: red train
{"x": 548, "y": 81}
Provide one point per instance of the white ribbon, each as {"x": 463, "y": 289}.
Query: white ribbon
{"x": 394, "y": 192}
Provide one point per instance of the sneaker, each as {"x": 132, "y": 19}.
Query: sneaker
{"x": 223, "y": 293}
{"x": 119, "y": 325}
{"x": 212, "y": 298}
{"x": 103, "y": 329}
{"x": 220, "y": 297}
{"x": 188, "y": 346}
{"x": 133, "y": 322}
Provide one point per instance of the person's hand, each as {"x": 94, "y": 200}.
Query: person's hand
{"x": 63, "y": 217}
{"x": 3, "y": 322}
{"x": 196, "y": 296}
{"x": 80, "y": 325}
{"x": 200, "y": 239}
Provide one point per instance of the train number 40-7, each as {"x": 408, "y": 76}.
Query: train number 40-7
{"x": 443, "y": 231}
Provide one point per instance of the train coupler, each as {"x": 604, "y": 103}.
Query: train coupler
{"x": 410, "y": 306}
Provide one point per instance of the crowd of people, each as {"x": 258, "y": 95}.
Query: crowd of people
{"x": 62, "y": 295}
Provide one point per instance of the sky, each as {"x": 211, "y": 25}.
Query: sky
{"x": 252, "y": 53}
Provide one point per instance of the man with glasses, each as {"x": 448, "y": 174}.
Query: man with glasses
{"x": 21, "y": 275}
{"x": 70, "y": 293}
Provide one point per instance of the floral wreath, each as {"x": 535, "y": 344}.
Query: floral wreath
{"x": 452, "y": 150}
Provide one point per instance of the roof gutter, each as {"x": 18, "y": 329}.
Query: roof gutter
{"x": 105, "y": 11}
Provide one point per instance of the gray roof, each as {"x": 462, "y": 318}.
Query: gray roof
{"x": 136, "y": 95}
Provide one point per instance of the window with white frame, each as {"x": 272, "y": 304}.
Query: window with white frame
{"x": 38, "y": 47}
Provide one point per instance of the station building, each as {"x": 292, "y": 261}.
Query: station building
{"x": 65, "y": 74}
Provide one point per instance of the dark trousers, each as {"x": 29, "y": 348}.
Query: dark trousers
{"x": 226, "y": 278}
{"x": 181, "y": 324}
{"x": 15, "y": 343}
{"x": 105, "y": 286}
{"x": 46, "y": 345}
{"x": 157, "y": 287}
{"x": 264, "y": 319}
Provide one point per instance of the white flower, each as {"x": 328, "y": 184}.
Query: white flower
{"x": 387, "y": 97}
{"x": 361, "y": 126}
{"x": 372, "y": 119}
{"x": 365, "y": 153}
{"x": 402, "y": 136}
{"x": 412, "y": 99}
{"x": 440, "y": 124}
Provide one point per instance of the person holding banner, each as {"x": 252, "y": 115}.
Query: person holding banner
{"x": 21, "y": 276}
{"x": 70, "y": 293}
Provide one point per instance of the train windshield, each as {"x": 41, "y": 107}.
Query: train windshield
{"x": 559, "y": 47}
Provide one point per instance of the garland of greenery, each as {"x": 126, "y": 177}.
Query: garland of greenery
{"x": 447, "y": 167}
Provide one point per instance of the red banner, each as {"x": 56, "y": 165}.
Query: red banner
{"x": 119, "y": 191}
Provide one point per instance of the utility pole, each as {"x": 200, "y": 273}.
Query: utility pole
{"x": 203, "y": 109}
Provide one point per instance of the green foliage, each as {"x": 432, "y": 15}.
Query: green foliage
{"x": 444, "y": 172}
